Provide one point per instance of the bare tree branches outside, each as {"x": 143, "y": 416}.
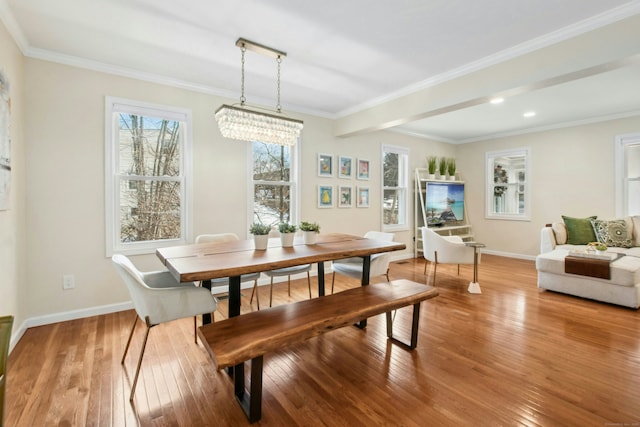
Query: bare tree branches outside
{"x": 149, "y": 164}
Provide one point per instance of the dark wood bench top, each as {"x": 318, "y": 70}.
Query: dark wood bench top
{"x": 235, "y": 340}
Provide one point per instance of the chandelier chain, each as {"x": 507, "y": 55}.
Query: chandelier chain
{"x": 278, "y": 107}
{"x": 242, "y": 98}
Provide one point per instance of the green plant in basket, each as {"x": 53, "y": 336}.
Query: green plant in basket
{"x": 310, "y": 226}
{"x": 285, "y": 227}
{"x": 259, "y": 229}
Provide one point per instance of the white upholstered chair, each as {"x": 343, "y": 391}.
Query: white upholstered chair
{"x": 224, "y": 281}
{"x": 288, "y": 271}
{"x": 444, "y": 250}
{"x": 352, "y": 267}
{"x": 157, "y": 298}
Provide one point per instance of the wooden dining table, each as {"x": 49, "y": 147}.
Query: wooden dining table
{"x": 207, "y": 261}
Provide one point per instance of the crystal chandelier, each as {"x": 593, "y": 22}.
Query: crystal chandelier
{"x": 239, "y": 122}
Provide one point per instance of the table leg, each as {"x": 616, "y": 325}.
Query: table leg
{"x": 234, "y": 296}
{"x": 206, "y": 317}
{"x": 234, "y": 310}
{"x": 321, "y": 279}
{"x": 366, "y": 272}
{"x": 474, "y": 287}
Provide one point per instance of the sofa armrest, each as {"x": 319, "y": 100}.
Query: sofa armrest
{"x": 547, "y": 240}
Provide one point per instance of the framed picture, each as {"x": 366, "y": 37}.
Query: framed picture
{"x": 325, "y": 165}
{"x": 345, "y": 196}
{"x": 362, "y": 200}
{"x": 363, "y": 169}
{"x": 325, "y": 196}
{"x": 345, "y": 167}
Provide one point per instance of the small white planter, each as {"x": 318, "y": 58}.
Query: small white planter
{"x": 452, "y": 177}
{"x": 261, "y": 241}
{"x": 309, "y": 237}
{"x": 432, "y": 176}
{"x": 600, "y": 252}
{"x": 287, "y": 239}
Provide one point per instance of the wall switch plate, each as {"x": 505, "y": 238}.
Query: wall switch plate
{"x": 68, "y": 281}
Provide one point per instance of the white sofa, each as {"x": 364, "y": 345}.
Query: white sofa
{"x": 623, "y": 288}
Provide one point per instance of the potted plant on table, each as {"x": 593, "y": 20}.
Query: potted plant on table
{"x": 287, "y": 233}
{"x": 260, "y": 235}
{"x": 431, "y": 166}
{"x": 309, "y": 231}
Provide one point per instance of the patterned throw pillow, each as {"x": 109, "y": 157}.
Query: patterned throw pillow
{"x": 579, "y": 230}
{"x": 612, "y": 233}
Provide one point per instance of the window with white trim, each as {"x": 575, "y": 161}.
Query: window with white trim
{"x": 148, "y": 176}
{"x": 395, "y": 179}
{"x": 508, "y": 184}
{"x": 627, "y": 170}
{"x": 274, "y": 175}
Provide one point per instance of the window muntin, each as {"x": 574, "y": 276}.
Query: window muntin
{"x": 395, "y": 178}
{"x": 147, "y": 176}
{"x": 508, "y": 184}
{"x": 273, "y": 190}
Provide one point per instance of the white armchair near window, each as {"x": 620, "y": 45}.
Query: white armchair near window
{"x": 157, "y": 298}
{"x": 444, "y": 250}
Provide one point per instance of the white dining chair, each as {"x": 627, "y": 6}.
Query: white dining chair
{"x": 157, "y": 298}
{"x": 352, "y": 267}
{"x": 288, "y": 271}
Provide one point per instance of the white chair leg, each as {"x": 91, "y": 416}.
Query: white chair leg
{"x": 333, "y": 279}
{"x": 126, "y": 348}
{"x": 271, "y": 292}
{"x": 255, "y": 291}
{"x": 144, "y": 345}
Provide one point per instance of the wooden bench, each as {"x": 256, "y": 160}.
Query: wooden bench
{"x": 233, "y": 341}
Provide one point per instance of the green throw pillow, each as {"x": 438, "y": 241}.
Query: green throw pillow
{"x": 579, "y": 230}
{"x": 612, "y": 233}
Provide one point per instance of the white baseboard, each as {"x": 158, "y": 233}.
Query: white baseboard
{"x": 64, "y": 316}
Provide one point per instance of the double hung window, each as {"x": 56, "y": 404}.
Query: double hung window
{"x": 395, "y": 178}
{"x": 627, "y": 169}
{"x": 148, "y": 176}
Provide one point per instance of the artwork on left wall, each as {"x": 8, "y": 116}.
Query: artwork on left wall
{"x": 5, "y": 143}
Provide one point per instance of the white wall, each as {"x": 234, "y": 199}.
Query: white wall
{"x": 12, "y": 221}
{"x": 65, "y": 152}
{"x": 572, "y": 174}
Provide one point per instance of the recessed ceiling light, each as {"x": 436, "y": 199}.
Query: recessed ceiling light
{"x": 496, "y": 101}
{"x": 529, "y": 114}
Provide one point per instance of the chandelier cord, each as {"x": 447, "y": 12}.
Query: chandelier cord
{"x": 278, "y": 107}
{"x": 242, "y": 98}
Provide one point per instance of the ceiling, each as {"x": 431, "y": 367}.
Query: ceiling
{"x": 345, "y": 58}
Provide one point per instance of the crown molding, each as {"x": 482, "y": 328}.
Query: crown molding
{"x": 9, "y": 21}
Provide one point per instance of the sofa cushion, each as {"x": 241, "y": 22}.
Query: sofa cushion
{"x": 579, "y": 230}
{"x": 559, "y": 232}
{"x": 635, "y": 220}
{"x": 612, "y": 233}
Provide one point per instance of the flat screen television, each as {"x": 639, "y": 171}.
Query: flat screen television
{"x": 445, "y": 202}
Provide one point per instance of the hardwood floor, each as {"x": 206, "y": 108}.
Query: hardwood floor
{"x": 513, "y": 355}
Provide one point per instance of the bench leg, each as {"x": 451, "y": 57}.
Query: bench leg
{"x": 250, "y": 401}
{"x": 366, "y": 270}
{"x": 414, "y": 329}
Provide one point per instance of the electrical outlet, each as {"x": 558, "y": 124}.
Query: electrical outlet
{"x": 68, "y": 281}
